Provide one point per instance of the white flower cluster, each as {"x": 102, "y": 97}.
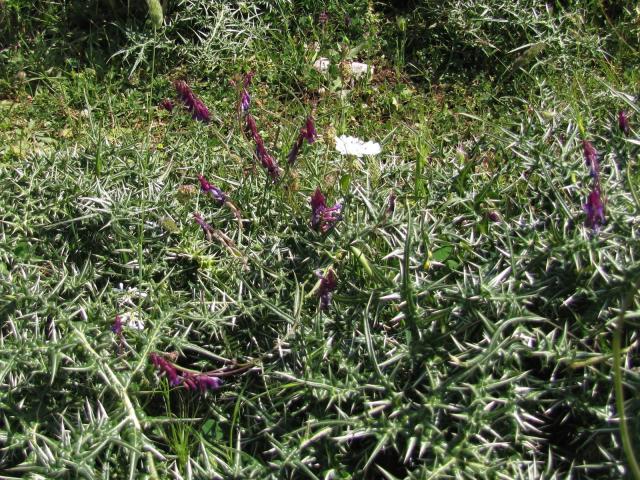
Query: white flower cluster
{"x": 354, "y": 146}
{"x": 131, "y": 318}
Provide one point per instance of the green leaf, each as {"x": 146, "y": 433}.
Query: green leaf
{"x": 441, "y": 254}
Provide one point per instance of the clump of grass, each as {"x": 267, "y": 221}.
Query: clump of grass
{"x": 451, "y": 315}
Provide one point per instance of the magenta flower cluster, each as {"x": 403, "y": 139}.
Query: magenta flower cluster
{"x": 209, "y": 189}
{"x": 117, "y": 325}
{"x": 328, "y": 283}
{"x": 198, "y": 109}
{"x": 178, "y": 376}
{"x": 594, "y": 207}
{"x": 308, "y": 133}
{"x": 245, "y": 98}
{"x": 323, "y": 218}
{"x": 267, "y": 161}
{"x": 167, "y": 104}
{"x": 166, "y": 368}
{"x": 206, "y": 228}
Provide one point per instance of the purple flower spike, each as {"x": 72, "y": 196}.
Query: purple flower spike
{"x": 318, "y": 203}
{"x": 178, "y": 376}
{"x": 247, "y": 79}
{"x": 197, "y": 108}
{"x": 591, "y": 158}
{"x": 189, "y": 381}
{"x": 217, "y": 194}
{"x": 200, "y": 382}
{"x": 323, "y": 218}
{"x": 206, "y": 382}
{"x": 328, "y": 284}
{"x": 165, "y": 367}
{"x": 208, "y": 229}
{"x": 323, "y": 18}
{"x": 252, "y": 127}
{"x": 117, "y": 325}
{"x": 245, "y": 100}
{"x": 309, "y": 132}
{"x": 268, "y": 162}
{"x": 623, "y": 122}
{"x": 594, "y": 209}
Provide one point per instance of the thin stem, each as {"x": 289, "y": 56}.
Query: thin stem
{"x": 617, "y": 381}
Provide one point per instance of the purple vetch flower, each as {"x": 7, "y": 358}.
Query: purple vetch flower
{"x": 245, "y": 98}
{"x": 117, "y": 325}
{"x": 323, "y": 18}
{"x": 323, "y": 218}
{"x": 252, "y": 127}
{"x": 309, "y": 131}
{"x": 623, "y": 122}
{"x": 328, "y": 284}
{"x": 208, "y": 382}
{"x": 267, "y": 161}
{"x": 167, "y": 105}
{"x": 247, "y": 79}
{"x": 217, "y": 194}
{"x": 197, "y": 108}
{"x": 208, "y": 229}
{"x": 594, "y": 209}
{"x": 165, "y": 367}
{"x": 200, "y": 381}
{"x": 591, "y": 158}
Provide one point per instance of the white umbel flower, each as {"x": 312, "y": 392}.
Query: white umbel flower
{"x": 354, "y": 146}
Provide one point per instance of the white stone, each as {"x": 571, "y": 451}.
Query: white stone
{"x": 322, "y": 64}
{"x": 358, "y": 69}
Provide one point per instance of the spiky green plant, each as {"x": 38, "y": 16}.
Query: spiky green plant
{"x": 479, "y": 329}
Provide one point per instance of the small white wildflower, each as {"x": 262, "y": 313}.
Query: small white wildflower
{"x": 132, "y": 320}
{"x": 128, "y": 295}
{"x": 354, "y": 146}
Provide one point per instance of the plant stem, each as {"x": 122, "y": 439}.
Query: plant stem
{"x": 617, "y": 381}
